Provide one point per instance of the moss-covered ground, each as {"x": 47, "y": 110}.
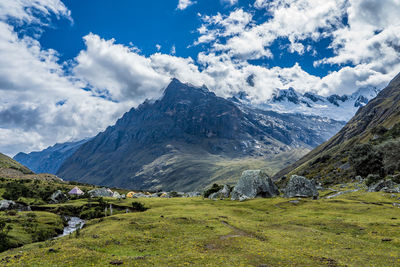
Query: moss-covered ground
{"x": 354, "y": 229}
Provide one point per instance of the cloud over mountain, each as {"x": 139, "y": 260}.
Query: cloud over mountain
{"x": 46, "y": 100}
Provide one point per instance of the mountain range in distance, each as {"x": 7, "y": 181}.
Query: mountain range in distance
{"x": 341, "y": 108}
{"x": 191, "y": 138}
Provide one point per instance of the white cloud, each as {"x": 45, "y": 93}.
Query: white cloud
{"x": 173, "y": 50}
{"x": 364, "y": 34}
{"x": 41, "y": 104}
{"x": 116, "y": 71}
{"x": 26, "y": 11}
{"x": 229, "y": 2}
{"x": 183, "y": 4}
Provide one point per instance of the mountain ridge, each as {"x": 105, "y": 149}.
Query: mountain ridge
{"x": 189, "y": 126}
{"x": 335, "y": 107}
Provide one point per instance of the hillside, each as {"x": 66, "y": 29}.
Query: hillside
{"x": 50, "y": 159}
{"x": 374, "y": 124}
{"x": 191, "y": 138}
{"x": 8, "y": 167}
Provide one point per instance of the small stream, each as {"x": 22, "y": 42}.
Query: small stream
{"x": 74, "y": 223}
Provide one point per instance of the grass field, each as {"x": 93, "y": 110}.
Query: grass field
{"x": 355, "y": 229}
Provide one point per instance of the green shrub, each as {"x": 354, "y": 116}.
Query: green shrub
{"x": 214, "y": 188}
{"x": 137, "y": 206}
{"x": 15, "y": 190}
{"x": 365, "y": 160}
{"x": 92, "y": 213}
{"x": 372, "y": 178}
{"x": 4, "y": 238}
{"x": 391, "y": 155}
{"x": 396, "y": 178}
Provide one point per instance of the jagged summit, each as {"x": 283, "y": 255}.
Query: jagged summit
{"x": 159, "y": 143}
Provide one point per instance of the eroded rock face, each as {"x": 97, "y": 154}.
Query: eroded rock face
{"x": 252, "y": 184}
{"x": 299, "y": 186}
{"x": 387, "y": 186}
{"x": 58, "y": 197}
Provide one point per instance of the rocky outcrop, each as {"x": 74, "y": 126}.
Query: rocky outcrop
{"x": 11, "y": 205}
{"x": 299, "y": 186}
{"x": 100, "y": 192}
{"x": 223, "y": 193}
{"x": 387, "y": 186}
{"x": 58, "y": 197}
{"x": 252, "y": 184}
{"x": 116, "y": 195}
{"x": 7, "y": 204}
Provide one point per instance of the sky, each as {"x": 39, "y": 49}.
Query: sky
{"x": 69, "y": 69}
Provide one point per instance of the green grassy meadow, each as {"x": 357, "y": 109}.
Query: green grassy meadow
{"x": 355, "y": 229}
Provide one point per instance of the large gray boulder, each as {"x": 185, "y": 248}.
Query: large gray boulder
{"x": 223, "y": 193}
{"x": 7, "y": 204}
{"x": 100, "y": 192}
{"x": 252, "y": 184}
{"x": 387, "y": 186}
{"x": 58, "y": 197}
{"x": 116, "y": 195}
{"x": 299, "y": 186}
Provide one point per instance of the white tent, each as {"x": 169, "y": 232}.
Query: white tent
{"x": 76, "y": 191}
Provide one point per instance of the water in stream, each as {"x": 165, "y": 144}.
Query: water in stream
{"x": 74, "y": 223}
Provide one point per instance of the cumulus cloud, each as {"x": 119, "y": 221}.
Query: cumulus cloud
{"x": 26, "y": 11}
{"x": 183, "y": 4}
{"x": 364, "y": 34}
{"x": 41, "y": 104}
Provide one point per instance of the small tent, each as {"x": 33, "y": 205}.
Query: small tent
{"x": 76, "y": 191}
{"x": 130, "y": 194}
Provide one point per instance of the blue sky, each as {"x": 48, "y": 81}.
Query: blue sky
{"x": 69, "y": 69}
{"x": 146, "y": 24}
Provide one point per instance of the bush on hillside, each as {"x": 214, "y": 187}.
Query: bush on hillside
{"x": 391, "y": 155}
{"x": 365, "y": 159}
{"x": 137, "y": 206}
{"x": 15, "y": 190}
{"x": 4, "y": 238}
{"x": 92, "y": 213}
{"x": 372, "y": 178}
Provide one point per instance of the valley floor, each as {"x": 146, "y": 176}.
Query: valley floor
{"x": 353, "y": 229}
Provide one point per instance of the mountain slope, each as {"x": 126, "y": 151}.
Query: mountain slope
{"x": 50, "y": 159}
{"x": 8, "y": 165}
{"x": 189, "y": 139}
{"x": 330, "y": 161}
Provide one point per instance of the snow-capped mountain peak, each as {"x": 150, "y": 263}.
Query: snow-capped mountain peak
{"x": 334, "y": 106}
